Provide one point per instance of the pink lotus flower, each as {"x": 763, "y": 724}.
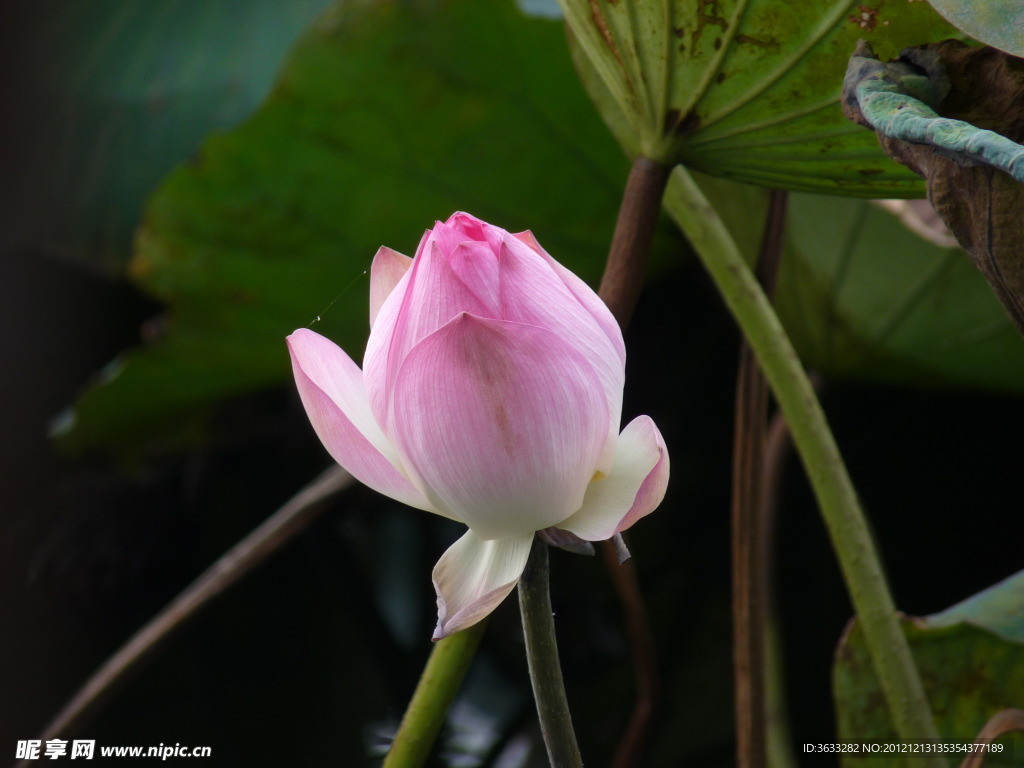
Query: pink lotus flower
{"x": 491, "y": 393}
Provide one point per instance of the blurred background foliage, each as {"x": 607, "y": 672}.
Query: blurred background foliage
{"x": 189, "y": 182}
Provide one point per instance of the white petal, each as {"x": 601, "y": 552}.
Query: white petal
{"x": 634, "y": 488}
{"x": 473, "y": 576}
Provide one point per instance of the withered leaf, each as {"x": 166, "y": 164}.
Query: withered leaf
{"x": 980, "y": 204}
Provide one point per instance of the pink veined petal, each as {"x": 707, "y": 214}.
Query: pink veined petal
{"x": 331, "y": 388}
{"x": 388, "y": 268}
{"x": 473, "y": 228}
{"x": 433, "y": 295}
{"x": 533, "y": 293}
{"x": 471, "y": 247}
{"x": 446, "y": 235}
{"x": 502, "y": 423}
{"x": 473, "y": 576}
{"x": 477, "y": 266}
{"x": 634, "y": 488}
{"x": 583, "y": 293}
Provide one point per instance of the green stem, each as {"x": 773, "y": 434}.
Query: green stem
{"x": 440, "y": 682}
{"x": 836, "y": 497}
{"x": 542, "y": 657}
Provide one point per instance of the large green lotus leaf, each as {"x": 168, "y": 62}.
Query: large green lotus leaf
{"x": 999, "y": 23}
{"x": 999, "y": 609}
{"x": 863, "y": 297}
{"x": 971, "y": 660}
{"x": 386, "y": 117}
{"x": 120, "y": 91}
{"x": 747, "y": 89}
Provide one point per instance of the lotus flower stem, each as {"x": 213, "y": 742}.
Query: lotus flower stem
{"x": 620, "y": 289}
{"x": 837, "y": 499}
{"x": 542, "y": 657}
{"x": 436, "y": 690}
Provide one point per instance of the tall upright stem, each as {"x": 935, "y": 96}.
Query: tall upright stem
{"x": 542, "y": 657}
{"x": 826, "y": 471}
{"x": 438, "y": 685}
{"x": 749, "y": 607}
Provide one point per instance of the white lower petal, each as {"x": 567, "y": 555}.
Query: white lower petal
{"x": 473, "y": 576}
{"x": 634, "y": 488}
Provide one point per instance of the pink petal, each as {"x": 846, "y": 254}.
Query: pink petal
{"x": 470, "y": 227}
{"x": 527, "y": 238}
{"x": 331, "y": 388}
{"x": 388, "y": 268}
{"x": 477, "y": 266}
{"x": 433, "y": 295}
{"x": 583, "y": 293}
{"x": 533, "y": 293}
{"x": 449, "y": 234}
{"x": 473, "y": 576}
{"x": 503, "y": 423}
{"x": 634, "y": 488}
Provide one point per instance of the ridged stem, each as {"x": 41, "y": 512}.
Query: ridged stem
{"x": 837, "y": 500}
{"x": 749, "y": 607}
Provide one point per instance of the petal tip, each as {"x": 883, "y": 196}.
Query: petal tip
{"x": 634, "y": 488}
{"x": 473, "y": 577}
{"x": 439, "y": 633}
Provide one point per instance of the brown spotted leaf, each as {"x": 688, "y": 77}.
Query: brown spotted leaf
{"x": 746, "y": 89}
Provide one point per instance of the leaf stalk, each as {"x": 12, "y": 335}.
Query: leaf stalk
{"x": 437, "y": 688}
{"x": 837, "y": 499}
